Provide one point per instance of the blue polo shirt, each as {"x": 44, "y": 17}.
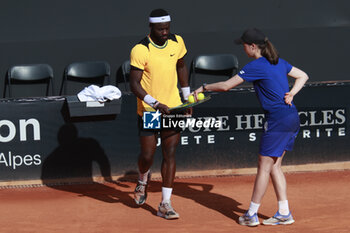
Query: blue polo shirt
{"x": 282, "y": 121}
{"x": 270, "y": 82}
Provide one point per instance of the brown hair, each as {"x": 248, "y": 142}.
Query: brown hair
{"x": 269, "y": 52}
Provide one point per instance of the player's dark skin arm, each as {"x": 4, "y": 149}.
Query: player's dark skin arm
{"x": 135, "y": 79}
{"x": 182, "y": 75}
{"x": 182, "y": 72}
{"x": 137, "y": 89}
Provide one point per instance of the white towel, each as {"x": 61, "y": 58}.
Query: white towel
{"x": 101, "y": 94}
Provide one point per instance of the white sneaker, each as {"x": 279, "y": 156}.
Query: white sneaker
{"x": 279, "y": 219}
{"x": 165, "y": 210}
{"x": 140, "y": 192}
{"x": 250, "y": 221}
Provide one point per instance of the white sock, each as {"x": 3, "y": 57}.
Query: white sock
{"x": 253, "y": 208}
{"x": 166, "y": 194}
{"x": 144, "y": 177}
{"x": 283, "y": 207}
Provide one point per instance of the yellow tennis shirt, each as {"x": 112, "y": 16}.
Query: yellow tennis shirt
{"x": 159, "y": 78}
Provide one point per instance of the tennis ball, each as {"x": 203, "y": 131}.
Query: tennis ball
{"x": 191, "y": 99}
{"x": 200, "y": 96}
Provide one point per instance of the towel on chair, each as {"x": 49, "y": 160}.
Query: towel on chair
{"x": 101, "y": 94}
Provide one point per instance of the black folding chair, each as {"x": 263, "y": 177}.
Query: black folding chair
{"x": 122, "y": 76}
{"x": 29, "y": 74}
{"x": 213, "y": 65}
{"x": 90, "y": 72}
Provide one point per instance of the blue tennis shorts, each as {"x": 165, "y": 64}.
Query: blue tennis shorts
{"x": 279, "y": 134}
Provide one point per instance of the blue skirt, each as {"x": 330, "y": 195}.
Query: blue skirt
{"x": 280, "y": 132}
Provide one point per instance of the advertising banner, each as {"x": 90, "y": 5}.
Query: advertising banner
{"x": 40, "y": 141}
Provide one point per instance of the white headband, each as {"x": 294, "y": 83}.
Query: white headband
{"x": 161, "y": 19}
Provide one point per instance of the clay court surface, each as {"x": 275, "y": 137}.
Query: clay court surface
{"x": 319, "y": 203}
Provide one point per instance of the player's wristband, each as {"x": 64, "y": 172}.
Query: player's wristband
{"x": 150, "y": 100}
{"x": 185, "y": 92}
{"x": 156, "y": 104}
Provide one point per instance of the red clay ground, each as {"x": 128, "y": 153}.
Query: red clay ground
{"x": 319, "y": 203}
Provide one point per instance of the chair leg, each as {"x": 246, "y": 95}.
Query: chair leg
{"x": 52, "y": 86}
{"x": 63, "y": 87}
{"x": 125, "y": 86}
{"x": 10, "y": 94}
{"x": 4, "y": 93}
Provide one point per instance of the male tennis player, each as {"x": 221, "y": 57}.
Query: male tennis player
{"x": 157, "y": 64}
